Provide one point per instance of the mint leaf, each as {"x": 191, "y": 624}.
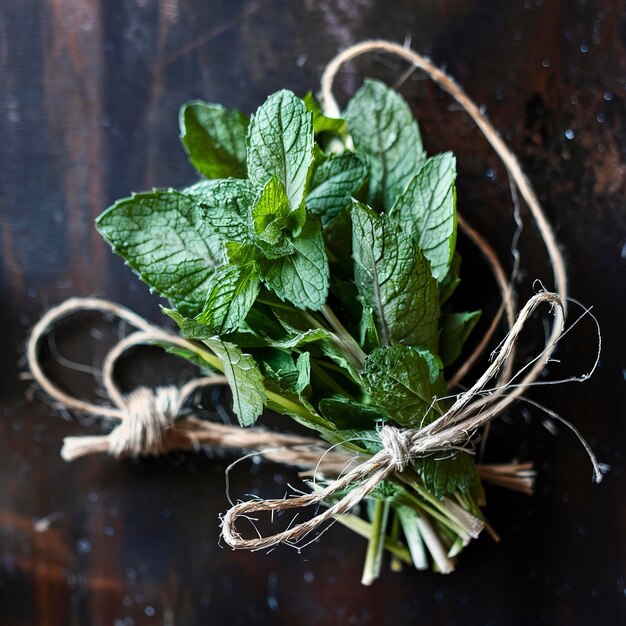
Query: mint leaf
{"x": 394, "y": 280}
{"x": 224, "y": 206}
{"x": 271, "y": 213}
{"x": 280, "y": 144}
{"x": 303, "y": 367}
{"x": 345, "y": 413}
{"x": 401, "y": 381}
{"x": 322, "y": 123}
{"x": 199, "y": 189}
{"x": 302, "y": 277}
{"x": 383, "y": 128}
{"x": 214, "y": 138}
{"x": 338, "y": 238}
{"x": 426, "y": 211}
{"x": 368, "y": 333}
{"x": 333, "y": 183}
{"x": 451, "y": 281}
{"x": 244, "y": 378}
{"x": 241, "y": 371}
{"x": 455, "y": 329}
{"x": 163, "y": 240}
{"x": 279, "y": 366}
{"x": 300, "y": 339}
{"x": 328, "y": 344}
{"x": 232, "y": 291}
{"x": 443, "y": 473}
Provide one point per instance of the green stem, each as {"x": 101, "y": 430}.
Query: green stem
{"x": 415, "y": 482}
{"x": 350, "y": 342}
{"x": 408, "y": 518}
{"x": 442, "y": 518}
{"x": 396, "y": 563}
{"x": 374, "y": 556}
{"x": 434, "y": 545}
{"x": 364, "y": 529}
{"x": 283, "y": 405}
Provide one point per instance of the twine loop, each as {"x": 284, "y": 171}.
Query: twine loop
{"x": 156, "y": 421}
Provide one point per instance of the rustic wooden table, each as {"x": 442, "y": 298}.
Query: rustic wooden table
{"x": 89, "y": 92}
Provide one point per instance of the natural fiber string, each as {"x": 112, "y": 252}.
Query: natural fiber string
{"x": 472, "y": 409}
{"x": 156, "y": 421}
{"x": 157, "y": 414}
{"x": 399, "y": 446}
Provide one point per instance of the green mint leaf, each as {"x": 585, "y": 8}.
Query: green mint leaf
{"x": 345, "y": 413}
{"x": 271, "y": 213}
{"x": 215, "y": 139}
{"x": 382, "y": 126}
{"x": 302, "y": 277}
{"x": 280, "y": 144}
{"x": 241, "y": 371}
{"x": 426, "y": 211}
{"x": 303, "y": 367}
{"x": 232, "y": 291}
{"x": 394, "y": 280}
{"x": 449, "y": 284}
{"x": 244, "y": 379}
{"x": 389, "y": 492}
{"x": 333, "y": 183}
{"x": 455, "y": 329}
{"x": 163, "y": 240}
{"x": 300, "y": 339}
{"x": 322, "y": 123}
{"x": 224, "y": 207}
{"x": 402, "y": 381}
{"x": 329, "y": 345}
{"x": 444, "y": 474}
{"x": 338, "y": 239}
{"x": 199, "y": 189}
{"x": 279, "y": 367}
{"x": 286, "y": 377}
{"x": 369, "y": 339}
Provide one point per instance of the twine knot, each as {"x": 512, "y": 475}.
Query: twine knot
{"x": 397, "y": 443}
{"x": 149, "y": 414}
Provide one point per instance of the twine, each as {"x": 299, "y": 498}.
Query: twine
{"x": 452, "y": 430}
{"x": 472, "y": 409}
{"x": 156, "y": 421}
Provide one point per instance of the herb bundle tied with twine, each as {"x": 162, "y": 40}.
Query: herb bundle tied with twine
{"x": 311, "y": 270}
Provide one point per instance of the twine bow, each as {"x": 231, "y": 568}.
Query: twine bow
{"x": 471, "y": 410}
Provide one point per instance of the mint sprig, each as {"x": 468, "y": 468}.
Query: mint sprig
{"x": 318, "y": 278}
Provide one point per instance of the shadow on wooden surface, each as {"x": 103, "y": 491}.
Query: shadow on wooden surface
{"x": 89, "y": 93}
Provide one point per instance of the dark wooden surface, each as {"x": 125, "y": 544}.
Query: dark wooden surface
{"x": 89, "y": 93}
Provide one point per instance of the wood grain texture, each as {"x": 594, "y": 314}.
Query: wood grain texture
{"x": 89, "y": 93}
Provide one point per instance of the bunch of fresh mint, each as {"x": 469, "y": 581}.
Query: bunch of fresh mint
{"x": 313, "y": 265}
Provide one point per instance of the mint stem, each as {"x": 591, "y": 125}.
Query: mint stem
{"x": 434, "y": 545}
{"x": 374, "y": 556}
{"x": 349, "y": 341}
{"x": 396, "y": 563}
{"x": 364, "y": 529}
{"x": 408, "y": 519}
